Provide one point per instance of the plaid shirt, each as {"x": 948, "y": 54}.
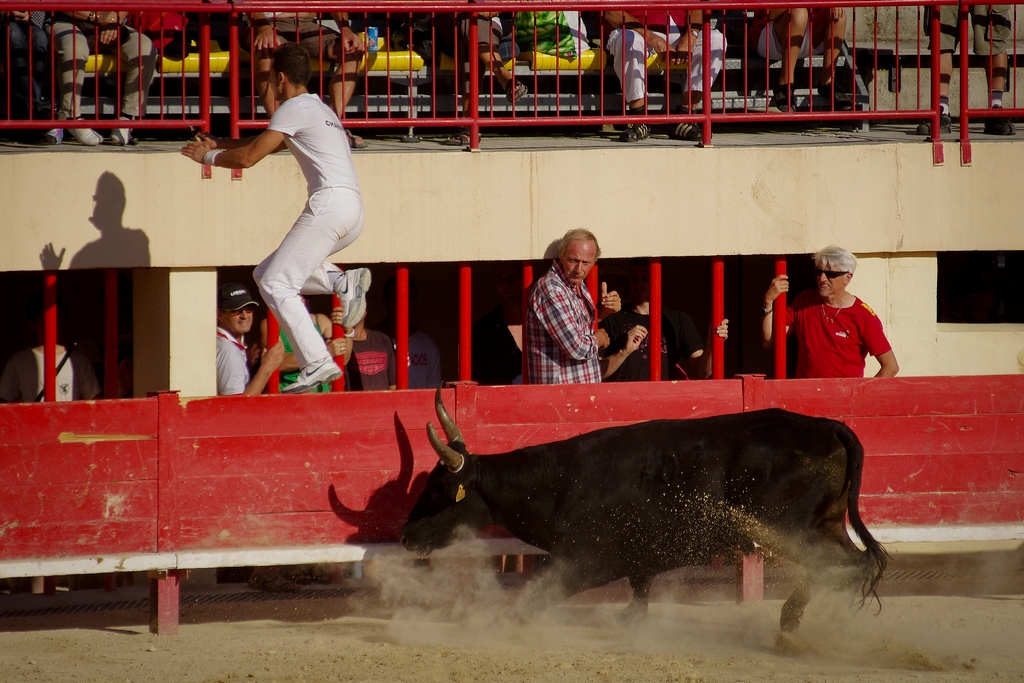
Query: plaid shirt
{"x": 560, "y": 343}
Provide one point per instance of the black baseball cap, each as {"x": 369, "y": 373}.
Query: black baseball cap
{"x": 232, "y": 296}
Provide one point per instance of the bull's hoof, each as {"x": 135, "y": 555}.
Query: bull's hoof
{"x": 789, "y": 644}
{"x": 634, "y": 612}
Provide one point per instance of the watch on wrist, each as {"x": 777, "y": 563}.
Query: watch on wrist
{"x": 767, "y": 311}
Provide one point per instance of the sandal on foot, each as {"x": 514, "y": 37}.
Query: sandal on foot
{"x": 354, "y": 141}
{"x": 635, "y": 132}
{"x": 459, "y": 138}
{"x": 515, "y": 91}
{"x": 686, "y": 131}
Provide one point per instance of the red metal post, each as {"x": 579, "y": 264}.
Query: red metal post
{"x": 779, "y": 324}
{"x": 938, "y": 156}
{"x": 465, "y": 321}
{"x": 337, "y": 331}
{"x": 654, "y": 333}
{"x": 965, "y": 102}
{"x": 717, "y": 315}
{"x": 50, "y": 335}
{"x": 205, "y": 95}
{"x": 110, "y": 333}
{"x": 592, "y": 289}
{"x": 273, "y": 337}
{"x": 164, "y": 601}
{"x": 750, "y": 578}
{"x": 472, "y": 55}
{"x": 527, "y": 282}
{"x": 402, "y": 325}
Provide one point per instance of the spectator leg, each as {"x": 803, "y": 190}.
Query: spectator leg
{"x": 72, "y": 52}
{"x": 139, "y": 56}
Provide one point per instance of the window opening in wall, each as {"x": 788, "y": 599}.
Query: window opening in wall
{"x": 980, "y": 287}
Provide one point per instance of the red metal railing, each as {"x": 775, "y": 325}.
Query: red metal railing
{"x": 401, "y": 87}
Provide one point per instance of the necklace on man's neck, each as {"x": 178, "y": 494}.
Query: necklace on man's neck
{"x": 836, "y": 315}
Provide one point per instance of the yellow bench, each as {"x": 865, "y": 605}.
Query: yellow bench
{"x": 401, "y": 61}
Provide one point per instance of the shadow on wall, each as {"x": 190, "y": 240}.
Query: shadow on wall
{"x": 117, "y": 246}
{"x": 388, "y": 507}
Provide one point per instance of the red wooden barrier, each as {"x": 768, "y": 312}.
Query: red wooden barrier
{"x": 159, "y": 480}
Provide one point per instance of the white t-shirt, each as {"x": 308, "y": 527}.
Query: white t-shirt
{"x": 316, "y": 139}
{"x": 22, "y": 379}
{"x": 232, "y": 365}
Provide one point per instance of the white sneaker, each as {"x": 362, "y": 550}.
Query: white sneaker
{"x": 86, "y": 136}
{"x": 351, "y": 289}
{"x": 313, "y": 375}
{"x": 121, "y": 136}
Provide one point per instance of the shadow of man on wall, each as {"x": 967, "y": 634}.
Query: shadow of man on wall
{"x": 117, "y": 246}
{"x": 389, "y": 506}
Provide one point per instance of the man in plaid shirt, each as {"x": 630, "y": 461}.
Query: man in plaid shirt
{"x": 561, "y": 345}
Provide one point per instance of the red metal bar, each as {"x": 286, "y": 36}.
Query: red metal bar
{"x": 965, "y": 103}
{"x": 717, "y": 315}
{"x": 205, "y": 108}
{"x": 473, "y": 56}
{"x": 50, "y": 335}
{"x": 655, "y": 318}
{"x": 592, "y": 289}
{"x": 465, "y": 322}
{"x": 234, "y": 90}
{"x": 527, "y": 283}
{"x": 110, "y": 334}
{"x": 779, "y": 323}
{"x": 337, "y": 331}
{"x": 938, "y": 155}
{"x": 402, "y": 325}
{"x": 273, "y": 337}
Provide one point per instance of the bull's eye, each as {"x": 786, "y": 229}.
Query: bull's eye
{"x": 460, "y": 494}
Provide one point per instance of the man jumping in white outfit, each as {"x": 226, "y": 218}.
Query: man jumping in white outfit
{"x": 330, "y": 221}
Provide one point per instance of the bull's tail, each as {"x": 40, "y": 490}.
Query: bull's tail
{"x": 876, "y": 554}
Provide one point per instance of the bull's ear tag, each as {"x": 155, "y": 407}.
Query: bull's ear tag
{"x": 460, "y": 494}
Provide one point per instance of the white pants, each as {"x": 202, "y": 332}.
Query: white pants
{"x": 629, "y": 53}
{"x": 331, "y": 220}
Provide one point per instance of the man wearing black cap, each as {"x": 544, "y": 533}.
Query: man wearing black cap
{"x": 235, "y": 307}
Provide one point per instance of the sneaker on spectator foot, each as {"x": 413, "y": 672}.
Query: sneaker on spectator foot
{"x": 945, "y": 125}
{"x": 635, "y": 132}
{"x": 86, "y": 136}
{"x": 998, "y": 126}
{"x": 122, "y": 136}
{"x": 351, "y": 288}
{"x": 312, "y": 376}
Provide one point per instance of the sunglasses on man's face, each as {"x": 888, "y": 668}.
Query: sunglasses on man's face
{"x": 830, "y": 274}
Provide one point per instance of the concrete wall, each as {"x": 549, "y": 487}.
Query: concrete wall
{"x": 886, "y": 202}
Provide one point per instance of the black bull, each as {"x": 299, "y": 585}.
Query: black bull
{"x": 639, "y": 500}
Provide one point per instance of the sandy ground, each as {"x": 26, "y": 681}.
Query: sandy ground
{"x": 954, "y": 621}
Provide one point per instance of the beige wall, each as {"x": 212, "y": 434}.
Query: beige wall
{"x": 876, "y": 198}
{"x": 886, "y": 202}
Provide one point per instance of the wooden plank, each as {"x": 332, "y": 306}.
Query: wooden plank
{"x": 307, "y": 414}
{"x": 934, "y": 434}
{"x": 898, "y": 396}
{"x": 602, "y": 404}
{"x": 929, "y": 509}
{"x": 58, "y": 538}
{"x": 40, "y": 464}
{"x": 944, "y": 473}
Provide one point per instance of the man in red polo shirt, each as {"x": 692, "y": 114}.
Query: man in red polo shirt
{"x": 834, "y": 329}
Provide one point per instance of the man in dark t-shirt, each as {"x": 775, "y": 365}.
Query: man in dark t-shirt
{"x": 682, "y": 351}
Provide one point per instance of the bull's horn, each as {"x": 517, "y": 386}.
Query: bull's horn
{"x": 451, "y": 458}
{"x": 451, "y": 430}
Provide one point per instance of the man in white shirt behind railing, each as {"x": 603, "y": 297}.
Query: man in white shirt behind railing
{"x": 678, "y": 39}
